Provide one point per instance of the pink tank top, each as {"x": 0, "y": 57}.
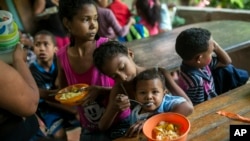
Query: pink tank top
{"x": 89, "y": 114}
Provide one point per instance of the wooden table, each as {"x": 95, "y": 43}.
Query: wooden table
{"x": 159, "y": 50}
{"x": 206, "y": 125}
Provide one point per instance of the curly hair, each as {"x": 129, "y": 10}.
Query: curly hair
{"x": 191, "y": 42}
{"x": 150, "y": 74}
{"x": 107, "y": 51}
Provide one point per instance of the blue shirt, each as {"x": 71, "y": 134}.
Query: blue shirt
{"x": 168, "y": 102}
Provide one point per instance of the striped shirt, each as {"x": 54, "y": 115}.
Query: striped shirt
{"x": 198, "y": 83}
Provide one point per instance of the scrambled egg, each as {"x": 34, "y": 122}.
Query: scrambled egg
{"x": 166, "y": 131}
{"x": 69, "y": 95}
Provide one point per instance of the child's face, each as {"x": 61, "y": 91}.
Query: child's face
{"x": 44, "y": 47}
{"x": 120, "y": 68}
{"x": 151, "y": 93}
{"x": 84, "y": 24}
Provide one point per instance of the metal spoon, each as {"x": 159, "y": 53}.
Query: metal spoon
{"x": 142, "y": 104}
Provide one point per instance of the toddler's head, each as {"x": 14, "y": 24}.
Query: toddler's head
{"x": 195, "y": 45}
{"x": 115, "y": 60}
{"x": 44, "y": 46}
{"x": 150, "y": 89}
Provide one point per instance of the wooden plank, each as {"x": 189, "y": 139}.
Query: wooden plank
{"x": 207, "y": 125}
{"x": 159, "y": 50}
{"x": 220, "y": 101}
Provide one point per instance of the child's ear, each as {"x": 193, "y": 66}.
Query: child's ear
{"x": 198, "y": 58}
{"x": 66, "y": 23}
{"x": 55, "y": 49}
{"x": 131, "y": 53}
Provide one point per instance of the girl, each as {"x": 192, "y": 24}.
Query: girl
{"x": 149, "y": 12}
{"x": 116, "y": 61}
{"x": 75, "y": 63}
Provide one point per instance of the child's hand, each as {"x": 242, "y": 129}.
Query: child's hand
{"x": 216, "y": 45}
{"x": 135, "y": 129}
{"x": 122, "y": 102}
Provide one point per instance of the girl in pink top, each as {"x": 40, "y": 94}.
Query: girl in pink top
{"x": 149, "y": 12}
{"x": 75, "y": 63}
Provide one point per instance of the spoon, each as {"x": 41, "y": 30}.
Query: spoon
{"x": 142, "y": 104}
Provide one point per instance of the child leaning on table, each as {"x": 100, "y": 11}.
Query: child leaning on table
{"x": 116, "y": 60}
{"x": 150, "y": 91}
{"x": 202, "y": 58}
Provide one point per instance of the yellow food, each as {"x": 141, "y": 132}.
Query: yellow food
{"x": 69, "y": 95}
{"x": 166, "y": 131}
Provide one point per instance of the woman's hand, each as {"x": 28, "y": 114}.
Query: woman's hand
{"x": 135, "y": 129}
{"x": 19, "y": 53}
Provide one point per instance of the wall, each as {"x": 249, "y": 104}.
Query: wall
{"x": 195, "y": 14}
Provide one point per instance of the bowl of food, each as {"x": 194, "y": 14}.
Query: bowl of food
{"x": 166, "y": 127}
{"x": 72, "y": 95}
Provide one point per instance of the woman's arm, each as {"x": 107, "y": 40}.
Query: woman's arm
{"x": 19, "y": 93}
{"x": 39, "y": 6}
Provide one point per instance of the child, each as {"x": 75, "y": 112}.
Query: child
{"x": 121, "y": 11}
{"x": 109, "y": 26}
{"x": 149, "y": 12}
{"x": 195, "y": 46}
{"x": 75, "y": 64}
{"x": 116, "y": 60}
{"x": 44, "y": 71}
{"x": 151, "y": 93}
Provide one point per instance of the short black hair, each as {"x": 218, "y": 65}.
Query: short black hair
{"x": 48, "y": 33}
{"x": 191, "y": 42}
{"x": 107, "y": 51}
{"x": 150, "y": 74}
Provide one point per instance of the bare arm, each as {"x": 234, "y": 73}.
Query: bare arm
{"x": 39, "y": 6}
{"x": 174, "y": 89}
{"x": 223, "y": 58}
{"x": 119, "y": 31}
{"x": 61, "y": 80}
{"x": 19, "y": 93}
{"x": 115, "y": 105}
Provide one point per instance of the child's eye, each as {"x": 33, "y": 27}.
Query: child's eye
{"x": 85, "y": 19}
{"x": 155, "y": 92}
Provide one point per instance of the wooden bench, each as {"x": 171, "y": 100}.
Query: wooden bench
{"x": 159, "y": 50}
{"x": 207, "y": 125}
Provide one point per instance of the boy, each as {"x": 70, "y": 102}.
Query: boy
{"x": 196, "y": 46}
{"x": 44, "y": 71}
{"x": 150, "y": 92}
